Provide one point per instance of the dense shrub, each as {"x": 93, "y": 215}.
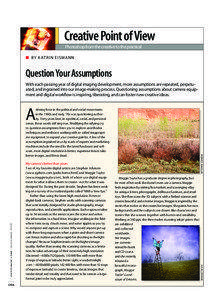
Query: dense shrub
{"x": 185, "y": 154}
{"x": 189, "y": 150}
{"x": 145, "y": 148}
{"x": 195, "y": 150}
{"x": 126, "y": 152}
{"x": 121, "y": 141}
{"x": 165, "y": 149}
{"x": 162, "y": 153}
{"x": 176, "y": 151}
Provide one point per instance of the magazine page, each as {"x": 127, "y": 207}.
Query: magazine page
{"x": 111, "y": 156}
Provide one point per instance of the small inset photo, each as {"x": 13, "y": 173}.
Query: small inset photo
{"x": 158, "y": 140}
{"x": 36, "y": 38}
{"x": 170, "y": 253}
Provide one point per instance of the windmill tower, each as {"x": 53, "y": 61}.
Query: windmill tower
{"x": 158, "y": 259}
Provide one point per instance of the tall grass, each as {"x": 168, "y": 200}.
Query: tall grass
{"x": 178, "y": 128}
{"x": 160, "y": 127}
{"x": 158, "y": 145}
{"x": 128, "y": 127}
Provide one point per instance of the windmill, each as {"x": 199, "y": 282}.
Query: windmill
{"x": 158, "y": 260}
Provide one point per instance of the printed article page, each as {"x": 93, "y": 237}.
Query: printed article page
{"x": 111, "y": 156}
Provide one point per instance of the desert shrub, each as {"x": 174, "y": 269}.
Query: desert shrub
{"x": 121, "y": 141}
{"x": 190, "y": 150}
{"x": 135, "y": 142}
{"x": 159, "y": 143}
{"x": 127, "y": 153}
{"x": 195, "y": 150}
{"x": 176, "y": 151}
{"x": 164, "y": 149}
{"x": 181, "y": 150}
{"x": 146, "y": 148}
{"x": 159, "y": 149}
{"x": 162, "y": 154}
{"x": 185, "y": 154}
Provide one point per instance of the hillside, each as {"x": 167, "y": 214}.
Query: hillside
{"x": 178, "y": 270}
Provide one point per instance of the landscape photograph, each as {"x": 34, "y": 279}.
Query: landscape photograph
{"x": 170, "y": 253}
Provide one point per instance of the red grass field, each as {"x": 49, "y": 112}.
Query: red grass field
{"x": 170, "y": 113}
